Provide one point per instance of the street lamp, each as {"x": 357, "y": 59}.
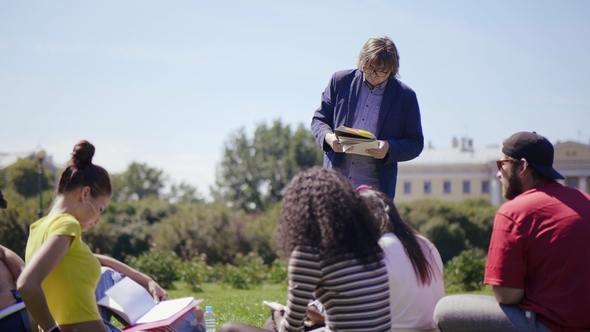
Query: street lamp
{"x": 40, "y": 155}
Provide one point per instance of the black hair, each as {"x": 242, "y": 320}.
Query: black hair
{"x": 80, "y": 172}
{"x": 322, "y": 210}
{"x": 389, "y": 221}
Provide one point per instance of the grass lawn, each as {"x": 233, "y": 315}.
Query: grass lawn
{"x": 235, "y": 305}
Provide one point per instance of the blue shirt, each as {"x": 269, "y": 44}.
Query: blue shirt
{"x": 360, "y": 169}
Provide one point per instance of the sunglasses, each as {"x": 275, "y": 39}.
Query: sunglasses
{"x": 501, "y": 163}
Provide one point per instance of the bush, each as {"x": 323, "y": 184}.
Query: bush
{"x": 262, "y": 231}
{"x": 452, "y": 227}
{"x": 250, "y": 271}
{"x": 162, "y": 266}
{"x": 210, "y": 229}
{"x": 278, "y": 271}
{"x": 216, "y": 273}
{"x": 465, "y": 272}
{"x": 194, "y": 272}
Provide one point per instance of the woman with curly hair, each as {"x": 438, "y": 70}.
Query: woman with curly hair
{"x": 334, "y": 255}
{"x": 414, "y": 266}
{"x": 329, "y": 236}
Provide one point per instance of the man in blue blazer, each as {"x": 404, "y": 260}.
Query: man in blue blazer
{"x": 370, "y": 98}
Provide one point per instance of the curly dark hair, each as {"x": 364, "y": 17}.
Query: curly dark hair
{"x": 389, "y": 221}
{"x": 322, "y": 210}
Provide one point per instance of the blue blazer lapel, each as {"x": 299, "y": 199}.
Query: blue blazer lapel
{"x": 389, "y": 95}
{"x": 355, "y": 90}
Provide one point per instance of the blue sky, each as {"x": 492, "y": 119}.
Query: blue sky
{"x": 167, "y": 82}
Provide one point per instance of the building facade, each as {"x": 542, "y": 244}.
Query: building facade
{"x": 465, "y": 172}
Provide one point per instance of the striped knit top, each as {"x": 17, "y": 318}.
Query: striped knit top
{"x": 355, "y": 298}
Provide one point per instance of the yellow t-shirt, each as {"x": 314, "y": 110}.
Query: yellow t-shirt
{"x": 69, "y": 288}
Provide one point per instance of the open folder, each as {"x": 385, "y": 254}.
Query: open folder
{"x": 136, "y": 306}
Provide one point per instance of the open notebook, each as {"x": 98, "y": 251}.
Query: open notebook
{"x": 135, "y": 305}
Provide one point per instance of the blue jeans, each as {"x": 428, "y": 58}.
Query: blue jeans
{"x": 483, "y": 313}
{"x": 109, "y": 277}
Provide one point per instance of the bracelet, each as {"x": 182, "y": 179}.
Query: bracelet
{"x": 55, "y": 328}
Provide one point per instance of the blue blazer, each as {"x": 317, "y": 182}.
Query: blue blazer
{"x": 398, "y": 122}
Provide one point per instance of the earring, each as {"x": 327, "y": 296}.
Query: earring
{"x": 83, "y": 212}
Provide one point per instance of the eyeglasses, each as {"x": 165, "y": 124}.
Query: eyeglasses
{"x": 501, "y": 163}
{"x": 377, "y": 73}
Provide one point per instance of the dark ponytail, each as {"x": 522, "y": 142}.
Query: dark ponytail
{"x": 81, "y": 172}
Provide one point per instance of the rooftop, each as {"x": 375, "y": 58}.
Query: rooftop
{"x": 461, "y": 153}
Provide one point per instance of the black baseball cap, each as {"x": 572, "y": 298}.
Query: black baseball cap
{"x": 536, "y": 149}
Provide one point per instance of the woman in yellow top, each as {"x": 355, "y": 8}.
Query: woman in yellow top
{"x": 59, "y": 281}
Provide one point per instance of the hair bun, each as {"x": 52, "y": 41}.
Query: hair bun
{"x": 82, "y": 154}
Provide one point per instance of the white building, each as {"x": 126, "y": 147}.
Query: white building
{"x": 465, "y": 172}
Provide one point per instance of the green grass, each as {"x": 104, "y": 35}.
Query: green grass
{"x": 245, "y": 306}
{"x": 486, "y": 290}
{"x": 235, "y": 305}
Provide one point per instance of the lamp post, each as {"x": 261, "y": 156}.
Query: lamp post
{"x": 40, "y": 155}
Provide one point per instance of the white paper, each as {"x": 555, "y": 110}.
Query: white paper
{"x": 131, "y": 298}
{"x": 360, "y": 148}
{"x": 165, "y": 309}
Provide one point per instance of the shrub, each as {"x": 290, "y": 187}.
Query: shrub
{"x": 194, "y": 272}
{"x": 216, "y": 273}
{"x": 465, "y": 272}
{"x": 210, "y": 229}
{"x": 452, "y": 227}
{"x": 249, "y": 272}
{"x": 162, "y": 266}
{"x": 278, "y": 271}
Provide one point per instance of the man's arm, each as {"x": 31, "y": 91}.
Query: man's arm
{"x": 411, "y": 144}
{"x": 321, "y": 123}
{"x": 507, "y": 295}
{"x": 13, "y": 261}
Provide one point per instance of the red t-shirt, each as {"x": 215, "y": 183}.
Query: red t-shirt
{"x": 541, "y": 243}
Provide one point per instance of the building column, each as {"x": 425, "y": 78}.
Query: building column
{"x": 495, "y": 183}
{"x": 583, "y": 183}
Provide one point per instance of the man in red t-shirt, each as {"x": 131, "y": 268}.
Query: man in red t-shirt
{"x": 539, "y": 255}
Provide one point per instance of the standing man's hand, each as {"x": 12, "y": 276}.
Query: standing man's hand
{"x": 380, "y": 152}
{"x": 333, "y": 142}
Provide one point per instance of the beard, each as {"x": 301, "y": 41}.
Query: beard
{"x": 511, "y": 185}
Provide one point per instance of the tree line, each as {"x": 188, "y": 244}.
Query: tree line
{"x": 243, "y": 216}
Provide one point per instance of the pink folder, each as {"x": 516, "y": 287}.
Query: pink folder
{"x": 161, "y": 324}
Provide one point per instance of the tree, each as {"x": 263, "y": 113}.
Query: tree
{"x": 17, "y": 218}
{"x": 23, "y": 177}
{"x": 183, "y": 193}
{"x": 254, "y": 172}
{"x": 137, "y": 182}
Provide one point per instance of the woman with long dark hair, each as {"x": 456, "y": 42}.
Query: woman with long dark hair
{"x": 413, "y": 263}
